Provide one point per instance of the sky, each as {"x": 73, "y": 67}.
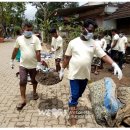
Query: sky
{"x": 31, "y": 10}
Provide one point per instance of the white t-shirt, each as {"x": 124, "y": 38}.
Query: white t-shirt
{"x": 28, "y": 48}
{"x": 104, "y": 44}
{"x": 108, "y": 39}
{"x": 58, "y": 42}
{"x": 122, "y": 42}
{"x": 115, "y": 37}
{"x": 82, "y": 53}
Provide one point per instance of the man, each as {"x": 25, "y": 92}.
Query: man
{"x": 30, "y": 47}
{"x": 114, "y": 44}
{"x": 57, "y": 48}
{"x": 108, "y": 40}
{"x": 79, "y": 55}
{"x": 104, "y": 47}
{"x": 121, "y": 48}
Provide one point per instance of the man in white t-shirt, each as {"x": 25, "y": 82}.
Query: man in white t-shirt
{"x": 122, "y": 48}
{"x": 79, "y": 55}
{"x": 114, "y": 44}
{"x": 108, "y": 40}
{"x": 57, "y": 48}
{"x": 30, "y": 61}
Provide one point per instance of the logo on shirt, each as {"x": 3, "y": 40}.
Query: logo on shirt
{"x": 32, "y": 43}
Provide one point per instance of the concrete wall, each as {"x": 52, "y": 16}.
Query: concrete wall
{"x": 109, "y": 24}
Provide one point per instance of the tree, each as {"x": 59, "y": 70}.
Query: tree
{"x": 11, "y": 14}
{"x": 44, "y": 11}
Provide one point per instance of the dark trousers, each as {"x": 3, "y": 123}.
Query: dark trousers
{"x": 120, "y": 59}
{"x": 77, "y": 87}
{"x": 114, "y": 55}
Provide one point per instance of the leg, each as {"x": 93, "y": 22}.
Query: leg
{"x": 23, "y": 81}
{"x": 83, "y": 84}
{"x": 33, "y": 73}
{"x": 57, "y": 63}
{"x": 74, "y": 88}
{"x": 120, "y": 59}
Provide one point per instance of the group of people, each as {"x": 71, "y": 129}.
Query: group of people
{"x": 115, "y": 47}
{"x": 78, "y": 56}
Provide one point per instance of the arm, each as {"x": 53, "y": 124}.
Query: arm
{"x": 117, "y": 70}
{"x": 66, "y": 61}
{"x": 114, "y": 43}
{"x": 107, "y": 59}
{"x": 15, "y": 51}
{"x": 38, "y": 56}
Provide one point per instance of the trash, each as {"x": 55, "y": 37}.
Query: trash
{"x": 48, "y": 76}
{"x": 123, "y": 115}
{"x": 104, "y": 101}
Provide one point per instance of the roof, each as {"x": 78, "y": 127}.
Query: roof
{"x": 75, "y": 10}
{"x": 122, "y": 12}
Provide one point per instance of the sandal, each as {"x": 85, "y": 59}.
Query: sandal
{"x": 20, "y": 106}
{"x": 35, "y": 96}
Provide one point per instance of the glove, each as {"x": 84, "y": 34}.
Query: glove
{"x": 123, "y": 52}
{"x": 117, "y": 70}
{"x": 52, "y": 49}
{"x": 12, "y": 63}
{"x": 61, "y": 73}
{"x": 39, "y": 66}
{"x": 109, "y": 50}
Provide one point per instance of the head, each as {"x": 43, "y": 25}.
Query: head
{"x": 28, "y": 27}
{"x": 113, "y": 31}
{"x": 121, "y": 34}
{"x": 53, "y": 32}
{"x": 89, "y": 27}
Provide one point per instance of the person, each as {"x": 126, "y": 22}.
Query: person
{"x": 107, "y": 37}
{"x": 122, "y": 48}
{"x": 113, "y": 51}
{"x": 30, "y": 61}
{"x": 96, "y": 62}
{"x": 57, "y": 48}
{"x": 114, "y": 44}
{"x": 104, "y": 47}
{"x": 18, "y": 33}
{"x": 79, "y": 55}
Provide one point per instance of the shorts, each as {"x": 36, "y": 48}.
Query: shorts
{"x": 77, "y": 87}
{"x": 23, "y": 72}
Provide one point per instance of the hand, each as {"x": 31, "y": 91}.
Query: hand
{"x": 52, "y": 49}
{"x": 61, "y": 73}
{"x": 12, "y": 63}
{"x": 109, "y": 50}
{"x": 39, "y": 66}
{"x": 123, "y": 52}
{"x": 117, "y": 70}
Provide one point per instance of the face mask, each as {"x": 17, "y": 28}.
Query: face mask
{"x": 120, "y": 35}
{"x": 28, "y": 34}
{"x": 88, "y": 36}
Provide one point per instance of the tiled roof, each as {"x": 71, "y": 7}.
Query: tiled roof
{"x": 122, "y": 12}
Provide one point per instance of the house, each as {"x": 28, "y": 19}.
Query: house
{"x": 122, "y": 18}
{"x": 95, "y": 10}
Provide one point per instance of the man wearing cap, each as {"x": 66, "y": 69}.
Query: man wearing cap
{"x": 79, "y": 55}
{"x": 57, "y": 48}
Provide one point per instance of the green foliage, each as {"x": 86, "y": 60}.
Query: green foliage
{"x": 45, "y": 9}
{"x": 11, "y": 13}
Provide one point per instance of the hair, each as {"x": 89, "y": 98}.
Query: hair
{"x": 28, "y": 24}
{"x": 53, "y": 30}
{"x": 87, "y": 22}
{"x": 114, "y": 30}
